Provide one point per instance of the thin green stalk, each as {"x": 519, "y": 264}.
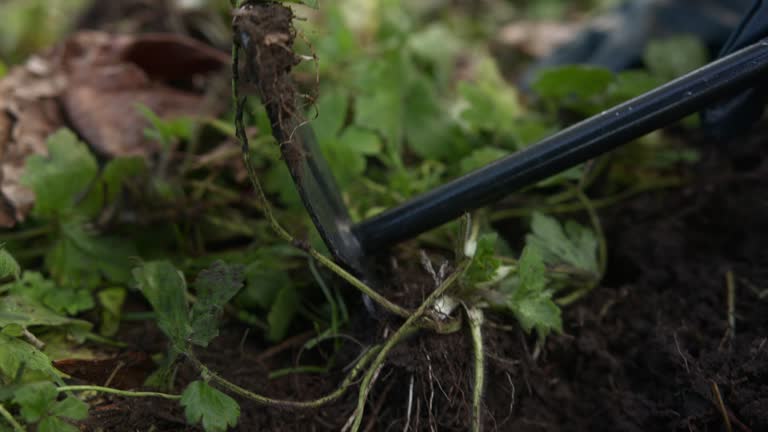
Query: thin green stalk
{"x": 410, "y": 325}
{"x": 9, "y": 418}
{"x": 329, "y": 298}
{"x": 124, "y": 393}
{"x": 595, "y": 219}
{"x": 475, "y": 319}
{"x": 264, "y": 400}
{"x": 27, "y": 233}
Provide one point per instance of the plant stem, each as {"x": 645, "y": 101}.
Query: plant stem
{"x": 476, "y": 318}
{"x": 409, "y": 326}
{"x": 9, "y": 418}
{"x": 264, "y": 400}
{"x": 124, "y": 393}
{"x": 27, "y": 234}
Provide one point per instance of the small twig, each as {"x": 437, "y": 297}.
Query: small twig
{"x": 9, "y": 418}
{"x": 31, "y": 338}
{"x": 595, "y": 219}
{"x": 114, "y": 373}
{"x": 721, "y": 406}
{"x": 110, "y": 390}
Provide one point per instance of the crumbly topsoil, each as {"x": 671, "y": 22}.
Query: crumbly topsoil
{"x": 265, "y": 34}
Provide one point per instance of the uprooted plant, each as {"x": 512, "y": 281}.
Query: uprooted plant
{"x": 558, "y": 264}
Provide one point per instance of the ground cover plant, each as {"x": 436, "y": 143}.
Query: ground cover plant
{"x": 181, "y": 286}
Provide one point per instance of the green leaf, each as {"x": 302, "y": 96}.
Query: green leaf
{"x": 347, "y": 154}
{"x": 61, "y": 300}
{"x": 428, "y": 127}
{"x": 35, "y": 399}
{"x": 263, "y": 283}
{"x": 111, "y": 300}
{"x": 71, "y": 408}
{"x": 60, "y": 179}
{"x": 204, "y": 404}
{"x": 538, "y": 312}
{"x": 166, "y": 290}
{"x": 8, "y": 265}
{"x": 26, "y": 312}
{"x": 166, "y": 130}
{"x": 379, "y": 106}
{"x": 117, "y": 172}
{"x": 530, "y": 302}
{"x": 80, "y": 258}
{"x": 15, "y": 353}
{"x": 282, "y": 312}
{"x": 332, "y": 107}
{"x": 573, "y": 81}
{"x": 531, "y": 271}
{"x": 573, "y": 244}
{"x": 675, "y": 56}
{"x": 55, "y": 424}
{"x": 484, "y": 264}
{"x": 215, "y": 287}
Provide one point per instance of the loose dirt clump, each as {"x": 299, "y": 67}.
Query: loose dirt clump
{"x": 265, "y": 35}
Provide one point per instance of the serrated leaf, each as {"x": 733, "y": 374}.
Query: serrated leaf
{"x": 35, "y": 399}
{"x": 71, "y": 408}
{"x": 530, "y": 301}
{"x": 8, "y": 265}
{"x": 538, "y": 312}
{"x": 15, "y": 352}
{"x": 532, "y": 272}
{"x": 166, "y": 290}
{"x": 282, "y": 312}
{"x": 573, "y": 244}
{"x": 60, "y": 178}
{"x": 215, "y": 287}
{"x": 55, "y": 424}
{"x": 204, "y": 404}
{"x": 484, "y": 264}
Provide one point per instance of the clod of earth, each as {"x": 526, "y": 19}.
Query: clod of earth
{"x": 266, "y": 34}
